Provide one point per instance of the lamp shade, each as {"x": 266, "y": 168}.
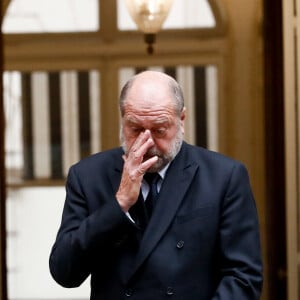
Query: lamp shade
{"x": 149, "y": 15}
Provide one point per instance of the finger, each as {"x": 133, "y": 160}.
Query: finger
{"x": 143, "y": 167}
{"x": 141, "y": 146}
{"x": 140, "y": 170}
{"x": 140, "y": 140}
{"x": 139, "y": 153}
{"x": 147, "y": 164}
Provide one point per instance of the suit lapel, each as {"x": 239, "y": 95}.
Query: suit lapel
{"x": 115, "y": 174}
{"x": 175, "y": 186}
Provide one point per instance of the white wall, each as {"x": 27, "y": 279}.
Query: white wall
{"x": 33, "y": 217}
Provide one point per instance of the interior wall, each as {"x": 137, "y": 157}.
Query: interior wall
{"x": 291, "y": 79}
{"x": 242, "y": 112}
{"x": 245, "y": 111}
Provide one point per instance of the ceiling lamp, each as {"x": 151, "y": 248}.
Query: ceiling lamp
{"x": 149, "y": 16}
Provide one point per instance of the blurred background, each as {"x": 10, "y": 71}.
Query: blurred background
{"x": 63, "y": 64}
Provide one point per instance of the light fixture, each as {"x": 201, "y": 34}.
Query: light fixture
{"x": 149, "y": 16}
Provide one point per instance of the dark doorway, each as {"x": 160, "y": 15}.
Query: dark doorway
{"x": 275, "y": 169}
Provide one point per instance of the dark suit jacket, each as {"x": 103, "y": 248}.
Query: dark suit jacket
{"x": 202, "y": 241}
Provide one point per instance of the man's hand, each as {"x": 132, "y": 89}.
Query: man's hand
{"x": 134, "y": 170}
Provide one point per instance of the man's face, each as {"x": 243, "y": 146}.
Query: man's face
{"x": 151, "y": 107}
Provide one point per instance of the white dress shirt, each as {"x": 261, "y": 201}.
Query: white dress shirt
{"x": 145, "y": 186}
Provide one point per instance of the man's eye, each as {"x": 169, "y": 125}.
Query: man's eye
{"x": 160, "y": 131}
{"x": 135, "y": 129}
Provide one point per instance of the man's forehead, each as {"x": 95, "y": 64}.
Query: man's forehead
{"x": 150, "y": 87}
{"x": 130, "y": 118}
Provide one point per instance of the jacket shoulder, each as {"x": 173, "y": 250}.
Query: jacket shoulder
{"x": 197, "y": 152}
{"x": 104, "y": 159}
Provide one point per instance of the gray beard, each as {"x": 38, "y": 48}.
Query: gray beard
{"x": 163, "y": 158}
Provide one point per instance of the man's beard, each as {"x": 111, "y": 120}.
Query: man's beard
{"x": 163, "y": 158}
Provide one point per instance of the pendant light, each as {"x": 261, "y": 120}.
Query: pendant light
{"x": 149, "y": 16}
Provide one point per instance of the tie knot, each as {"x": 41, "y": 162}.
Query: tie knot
{"x": 151, "y": 177}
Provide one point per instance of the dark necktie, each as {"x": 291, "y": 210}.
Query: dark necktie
{"x": 152, "y": 179}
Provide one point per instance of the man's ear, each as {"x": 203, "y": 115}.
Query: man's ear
{"x": 182, "y": 118}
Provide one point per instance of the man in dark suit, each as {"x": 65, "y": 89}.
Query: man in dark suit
{"x": 201, "y": 239}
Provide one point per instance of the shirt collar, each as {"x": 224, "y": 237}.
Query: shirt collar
{"x": 163, "y": 171}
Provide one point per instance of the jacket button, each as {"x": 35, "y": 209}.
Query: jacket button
{"x": 128, "y": 292}
{"x": 180, "y": 244}
{"x": 170, "y": 291}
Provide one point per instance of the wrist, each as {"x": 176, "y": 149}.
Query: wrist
{"x": 122, "y": 202}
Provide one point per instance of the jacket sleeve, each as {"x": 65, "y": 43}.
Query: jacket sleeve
{"x": 84, "y": 238}
{"x": 240, "y": 262}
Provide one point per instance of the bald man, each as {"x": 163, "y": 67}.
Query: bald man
{"x": 190, "y": 232}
